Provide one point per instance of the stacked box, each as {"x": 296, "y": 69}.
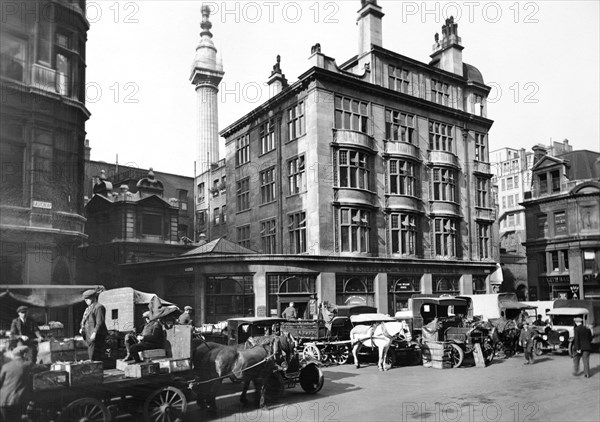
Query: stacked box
{"x": 437, "y": 354}
{"x": 82, "y": 373}
{"x": 141, "y": 370}
{"x": 50, "y": 380}
{"x": 170, "y": 366}
{"x": 179, "y": 341}
{"x": 152, "y": 354}
{"x": 121, "y": 364}
{"x": 56, "y": 351}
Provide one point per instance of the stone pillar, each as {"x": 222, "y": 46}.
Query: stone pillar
{"x": 199, "y": 296}
{"x": 260, "y": 292}
{"x": 426, "y": 284}
{"x": 326, "y": 287}
{"x": 380, "y": 285}
{"x": 466, "y": 284}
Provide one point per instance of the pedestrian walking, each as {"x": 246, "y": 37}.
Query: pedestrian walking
{"x": 582, "y": 346}
{"x": 526, "y": 340}
{"x": 16, "y": 385}
{"x": 93, "y": 326}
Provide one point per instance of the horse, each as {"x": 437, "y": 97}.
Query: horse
{"x": 378, "y": 335}
{"x": 214, "y": 362}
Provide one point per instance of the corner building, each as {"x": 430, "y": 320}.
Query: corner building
{"x": 364, "y": 182}
{"x": 42, "y": 135}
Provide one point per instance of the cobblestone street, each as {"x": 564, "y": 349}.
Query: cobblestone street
{"x": 505, "y": 391}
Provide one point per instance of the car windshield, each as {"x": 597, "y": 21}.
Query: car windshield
{"x": 564, "y": 319}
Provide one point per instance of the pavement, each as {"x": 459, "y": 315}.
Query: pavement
{"x": 505, "y": 391}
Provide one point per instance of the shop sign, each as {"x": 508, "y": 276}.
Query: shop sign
{"x": 559, "y": 279}
{"x": 42, "y": 204}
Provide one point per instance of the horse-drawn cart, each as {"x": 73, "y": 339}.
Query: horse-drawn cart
{"x": 316, "y": 341}
{"x": 162, "y": 397}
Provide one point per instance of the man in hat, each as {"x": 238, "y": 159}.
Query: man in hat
{"x": 25, "y": 331}
{"x": 582, "y": 346}
{"x": 93, "y": 327}
{"x": 152, "y": 337}
{"x": 526, "y": 339}
{"x": 289, "y": 312}
{"x": 186, "y": 317}
{"x": 16, "y": 385}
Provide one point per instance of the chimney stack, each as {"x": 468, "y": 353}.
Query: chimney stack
{"x": 447, "y": 52}
{"x": 369, "y": 26}
{"x": 277, "y": 81}
{"x": 539, "y": 151}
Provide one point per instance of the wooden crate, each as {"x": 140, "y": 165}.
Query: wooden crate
{"x": 153, "y": 354}
{"x": 50, "y": 380}
{"x": 56, "y": 345}
{"x": 121, "y": 364}
{"x": 437, "y": 354}
{"x": 82, "y": 373}
{"x": 141, "y": 370}
{"x": 174, "y": 365}
{"x": 179, "y": 341}
{"x": 56, "y": 351}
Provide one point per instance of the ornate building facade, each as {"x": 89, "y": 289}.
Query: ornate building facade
{"x": 42, "y": 80}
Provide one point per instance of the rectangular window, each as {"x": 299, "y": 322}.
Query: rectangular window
{"x": 242, "y": 150}
{"x": 268, "y": 236}
{"x": 201, "y": 218}
{"x": 555, "y": 261}
{"x": 440, "y": 92}
{"x": 351, "y": 114}
{"x": 223, "y": 185}
{"x": 543, "y": 183}
{"x": 542, "y": 224}
{"x": 297, "y": 232}
{"x": 560, "y": 223}
{"x": 223, "y": 214}
{"x": 399, "y": 126}
{"x": 217, "y": 216}
{"x": 589, "y": 261}
{"x": 504, "y": 202}
{"x": 354, "y": 169}
{"x": 402, "y": 179}
{"x": 355, "y": 230}
{"x": 296, "y": 121}
{"x": 483, "y": 232}
{"x": 267, "y": 186}
{"x": 12, "y": 57}
{"x": 445, "y": 237}
{"x": 403, "y": 231}
{"x": 440, "y": 136}
{"x": 444, "y": 184}
{"x": 201, "y": 192}
{"x": 152, "y": 224}
{"x": 555, "y": 178}
{"x": 243, "y": 236}
{"x": 511, "y": 220}
{"x": 243, "y": 194}
{"x": 296, "y": 170}
{"x": 482, "y": 192}
{"x": 565, "y": 255}
{"x": 511, "y": 201}
{"x": 399, "y": 79}
{"x": 267, "y": 137}
{"x": 516, "y": 179}
{"x": 182, "y": 196}
{"x": 215, "y": 188}
{"x": 509, "y": 183}
{"x": 480, "y": 147}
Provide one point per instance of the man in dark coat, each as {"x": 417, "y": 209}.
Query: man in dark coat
{"x": 152, "y": 337}
{"x": 25, "y": 331}
{"x": 93, "y": 327}
{"x": 289, "y": 312}
{"x": 526, "y": 340}
{"x": 582, "y": 346}
{"x": 15, "y": 385}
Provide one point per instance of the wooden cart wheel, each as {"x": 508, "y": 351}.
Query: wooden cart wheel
{"x": 342, "y": 356}
{"x": 457, "y": 355}
{"x": 167, "y": 404}
{"x": 311, "y": 379}
{"x": 311, "y": 351}
{"x": 538, "y": 347}
{"x": 87, "y": 409}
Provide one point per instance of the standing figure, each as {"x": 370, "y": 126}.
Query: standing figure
{"x": 186, "y": 317}
{"x": 93, "y": 328}
{"x": 16, "y": 385}
{"x": 582, "y": 346}
{"x": 526, "y": 340}
{"x": 289, "y": 312}
{"x": 25, "y": 331}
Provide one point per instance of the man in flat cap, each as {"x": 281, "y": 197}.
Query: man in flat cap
{"x": 582, "y": 346}
{"x": 93, "y": 327}
{"x": 25, "y": 331}
{"x": 186, "y": 317}
{"x": 16, "y": 385}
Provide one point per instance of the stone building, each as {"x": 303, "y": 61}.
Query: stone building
{"x": 364, "y": 182}
{"x": 512, "y": 178}
{"x": 562, "y": 214}
{"x": 43, "y": 113}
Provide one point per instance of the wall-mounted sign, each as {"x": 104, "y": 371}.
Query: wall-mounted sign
{"x": 189, "y": 269}
{"x": 42, "y": 204}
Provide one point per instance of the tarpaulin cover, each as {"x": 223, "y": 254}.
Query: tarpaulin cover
{"x": 45, "y": 296}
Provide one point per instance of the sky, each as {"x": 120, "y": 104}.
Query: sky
{"x": 541, "y": 59}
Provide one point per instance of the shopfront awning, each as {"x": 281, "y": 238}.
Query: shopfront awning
{"x": 44, "y": 296}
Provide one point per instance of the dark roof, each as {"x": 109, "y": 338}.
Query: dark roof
{"x": 582, "y": 164}
{"x": 472, "y": 73}
{"x": 219, "y": 246}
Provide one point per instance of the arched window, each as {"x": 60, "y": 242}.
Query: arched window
{"x": 228, "y": 297}
{"x": 355, "y": 290}
{"x": 400, "y": 289}
{"x": 446, "y": 285}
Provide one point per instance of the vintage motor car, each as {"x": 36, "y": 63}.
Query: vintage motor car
{"x": 452, "y": 326}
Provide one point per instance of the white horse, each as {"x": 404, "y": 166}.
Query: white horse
{"x": 378, "y": 335}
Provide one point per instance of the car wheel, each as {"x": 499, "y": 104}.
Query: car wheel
{"x": 488, "y": 351}
{"x": 538, "y": 348}
{"x": 456, "y": 355}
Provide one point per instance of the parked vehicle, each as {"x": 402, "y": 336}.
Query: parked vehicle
{"x": 452, "y": 325}
{"x": 558, "y": 337}
{"x": 496, "y": 305}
